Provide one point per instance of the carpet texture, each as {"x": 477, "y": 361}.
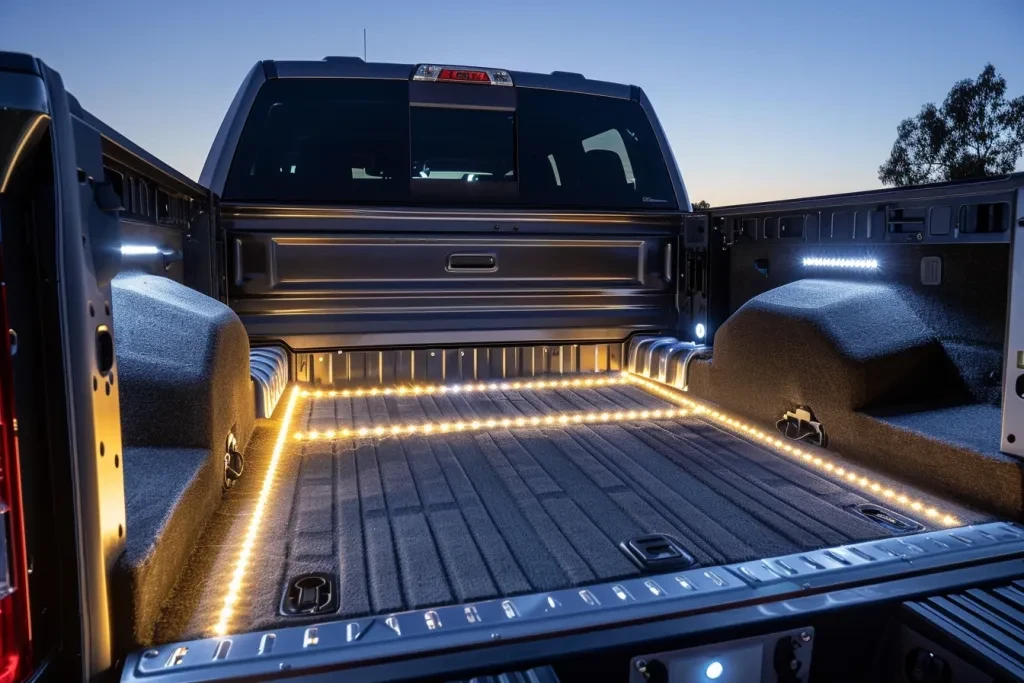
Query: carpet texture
{"x": 880, "y": 379}
{"x": 966, "y": 312}
{"x": 419, "y": 521}
{"x": 170, "y": 493}
{"x": 183, "y": 360}
{"x": 183, "y": 365}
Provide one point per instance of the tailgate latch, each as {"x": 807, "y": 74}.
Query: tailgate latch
{"x": 800, "y": 424}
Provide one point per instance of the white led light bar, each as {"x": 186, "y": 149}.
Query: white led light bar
{"x": 139, "y": 250}
{"x": 855, "y": 263}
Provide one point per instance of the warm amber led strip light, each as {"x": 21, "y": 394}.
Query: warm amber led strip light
{"x": 242, "y": 563}
{"x": 824, "y": 464}
{"x": 13, "y": 163}
{"x": 433, "y": 389}
{"x": 447, "y": 427}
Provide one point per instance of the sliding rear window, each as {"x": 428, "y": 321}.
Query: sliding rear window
{"x": 587, "y": 151}
{"x": 360, "y": 141}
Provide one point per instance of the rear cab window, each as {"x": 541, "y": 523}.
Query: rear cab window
{"x": 589, "y": 151}
{"x": 367, "y": 142}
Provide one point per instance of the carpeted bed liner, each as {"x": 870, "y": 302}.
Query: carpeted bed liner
{"x": 419, "y": 521}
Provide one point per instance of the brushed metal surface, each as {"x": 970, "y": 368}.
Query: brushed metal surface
{"x": 323, "y": 281}
{"x": 319, "y": 263}
{"x": 341, "y": 368}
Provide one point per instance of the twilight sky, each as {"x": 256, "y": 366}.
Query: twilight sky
{"x": 760, "y": 100}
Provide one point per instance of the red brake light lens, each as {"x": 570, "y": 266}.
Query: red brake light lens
{"x": 463, "y": 75}
{"x": 15, "y": 617}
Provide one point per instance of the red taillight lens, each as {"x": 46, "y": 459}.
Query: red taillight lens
{"x": 433, "y": 73}
{"x": 15, "y": 618}
{"x": 464, "y": 76}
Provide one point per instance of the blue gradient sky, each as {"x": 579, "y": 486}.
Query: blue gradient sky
{"x": 759, "y": 101}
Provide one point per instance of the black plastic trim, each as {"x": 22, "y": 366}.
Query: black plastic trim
{"x": 320, "y": 587}
{"x": 25, "y": 91}
{"x": 19, "y": 62}
{"x": 657, "y": 553}
{"x": 678, "y": 185}
{"x": 986, "y": 625}
{"x": 890, "y": 520}
{"x": 215, "y": 170}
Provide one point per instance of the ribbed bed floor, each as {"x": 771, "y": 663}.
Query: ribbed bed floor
{"x": 414, "y": 521}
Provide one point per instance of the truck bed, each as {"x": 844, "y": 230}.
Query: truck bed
{"x": 411, "y": 521}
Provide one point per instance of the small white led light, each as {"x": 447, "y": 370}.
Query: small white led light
{"x": 714, "y": 670}
{"x": 700, "y": 330}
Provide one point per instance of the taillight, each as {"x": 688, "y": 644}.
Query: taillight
{"x": 462, "y": 74}
{"x": 15, "y": 618}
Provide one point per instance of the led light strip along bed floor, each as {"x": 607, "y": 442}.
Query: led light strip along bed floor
{"x": 255, "y": 520}
{"x": 449, "y": 426}
{"x": 748, "y": 431}
{"x": 752, "y": 433}
{"x": 241, "y": 565}
{"x": 847, "y": 474}
{"x": 430, "y": 390}
{"x": 739, "y": 427}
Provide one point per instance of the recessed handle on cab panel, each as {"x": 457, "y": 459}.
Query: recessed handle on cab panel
{"x": 471, "y": 263}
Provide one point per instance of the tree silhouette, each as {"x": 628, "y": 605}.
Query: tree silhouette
{"x": 701, "y": 206}
{"x": 976, "y": 132}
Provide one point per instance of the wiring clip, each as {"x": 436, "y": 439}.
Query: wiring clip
{"x": 800, "y": 424}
